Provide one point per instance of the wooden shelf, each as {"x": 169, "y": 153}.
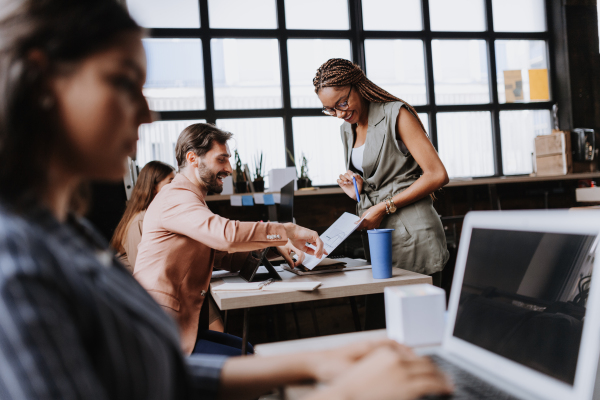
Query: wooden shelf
{"x": 452, "y": 183}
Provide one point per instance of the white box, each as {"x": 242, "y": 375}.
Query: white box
{"x": 279, "y": 177}
{"x": 414, "y": 314}
{"x": 228, "y": 185}
{"x": 591, "y": 194}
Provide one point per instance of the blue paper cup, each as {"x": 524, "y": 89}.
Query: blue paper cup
{"x": 380, "y": 245}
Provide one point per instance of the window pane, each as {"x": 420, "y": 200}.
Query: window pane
{"x": 317, "y": 14}
{"x": 305, "y": 57}
{"x": 251, "y": 136}
{"x": 519, "y": 15}
{"x": 242, "y": 14}
{"x": 398, "y": 67}
{"x": 460, "y": 72}
{"x": 165, "y": 14}
{"x": 318, "y": 138}
{"x": 392, "y": 15}
{"x": 517, "y": 132}
{"x": 465, "y": 143}
{"x": 158, "y": 139}
{"x": 246, "y": 73}
{"x": 520, "y": 55}
{"x": 175, "y": 74}
{"x": 457, "y": 15}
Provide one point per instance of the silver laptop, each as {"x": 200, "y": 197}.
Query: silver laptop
{"x": 524, "y": 312}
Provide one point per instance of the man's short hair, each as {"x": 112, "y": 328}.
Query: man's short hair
{"x": 198, "y": 138}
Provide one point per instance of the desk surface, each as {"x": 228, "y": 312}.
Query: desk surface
{"x": 333, "y": 285}
{"x": 317, "y": 343}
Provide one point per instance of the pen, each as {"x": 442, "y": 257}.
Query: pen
{"x": 356, "y": 189}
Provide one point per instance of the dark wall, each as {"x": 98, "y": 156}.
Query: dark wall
{"x": 107, "y": 207}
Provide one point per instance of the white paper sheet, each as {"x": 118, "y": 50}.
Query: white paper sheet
{"x": 333, "y": 236}
{"x": 235, "y": 200}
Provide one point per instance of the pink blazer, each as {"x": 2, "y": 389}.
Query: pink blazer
{"x": 182, "y": 241}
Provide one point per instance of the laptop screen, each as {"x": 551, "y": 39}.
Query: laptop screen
{"x": 524, "y": 297}
{"x": 286, "y": 204}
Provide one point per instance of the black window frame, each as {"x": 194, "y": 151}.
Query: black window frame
{"x": 357, "y": 35}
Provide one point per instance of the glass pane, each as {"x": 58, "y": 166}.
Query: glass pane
{"x": 242, "y": 14}
{"x": 523, "y": 55}
{"x": 175, "y": 78}
{"x": 158, "y": 139}
{"x": 519, "y": 15}
{"x": 251, "y": 136}
{"x": 457, "y": 15}
{"x": 165, "y": 14}
{"x": 392, "y": 15}
{"x": 465, "y": 143}
{"x": 325, "y": 160}
{"x": 460, "y": 71}
{"x": 317, "y": 14}
{"x": 398, "y": 67}
{"x": 243, "y": 79}
{"x": 305, "y": 57}
{"x": 517, "y": 132}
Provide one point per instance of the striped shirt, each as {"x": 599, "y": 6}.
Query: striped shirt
{"x": 74, "y": 324}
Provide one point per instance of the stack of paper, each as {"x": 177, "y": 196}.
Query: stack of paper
{"x": 270, "y": 287}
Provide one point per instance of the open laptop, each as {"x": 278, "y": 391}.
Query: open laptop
{"x": 286, "y": 203}
{"x": 524, "y": 312}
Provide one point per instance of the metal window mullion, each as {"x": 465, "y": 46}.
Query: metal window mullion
{"x": 493, "y": 87}
{"x": 430, "y": 84}
{"x": 357, "y": 33}
{"x": 288, "y": 129}
{"x": 207, "y": 63}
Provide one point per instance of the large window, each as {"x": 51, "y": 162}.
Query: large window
{"x": 477, "y": 71}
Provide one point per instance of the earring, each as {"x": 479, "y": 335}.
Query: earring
{"x": 47, "y": 102}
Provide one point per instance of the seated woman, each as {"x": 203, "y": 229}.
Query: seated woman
{"x": 75, "y": 323}
{"x": 128, "y": 233}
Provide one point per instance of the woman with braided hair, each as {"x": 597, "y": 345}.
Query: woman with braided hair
{"x": 395, "y": 165}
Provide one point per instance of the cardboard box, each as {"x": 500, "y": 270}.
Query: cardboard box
{"x": 588, "y": 195}
{"x": 553, "y": 154}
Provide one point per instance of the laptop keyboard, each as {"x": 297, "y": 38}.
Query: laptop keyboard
{"x": 466, "y": 385}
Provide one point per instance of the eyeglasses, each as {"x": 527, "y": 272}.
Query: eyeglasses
{"x": 343, "y": 106}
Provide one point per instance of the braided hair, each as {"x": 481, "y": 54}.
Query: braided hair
{"x": 341, "y": 72}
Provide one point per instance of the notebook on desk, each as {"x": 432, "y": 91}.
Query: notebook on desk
{"x": 524, "y": 312}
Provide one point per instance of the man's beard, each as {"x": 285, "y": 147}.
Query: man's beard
{"x": 210, "y": 179}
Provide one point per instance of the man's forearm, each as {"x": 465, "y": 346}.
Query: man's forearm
{"x": 249, "y": 377}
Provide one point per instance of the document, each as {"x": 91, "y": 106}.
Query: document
{"x": 513, "y": 85}
{"x": 538, "y": 84}
{"x": 333, "y": 236}
{"x": 267, "y": 286}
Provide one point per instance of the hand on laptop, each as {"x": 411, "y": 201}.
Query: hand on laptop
{"x": 300, "y": 237}
{"x": 387, "y": 373}
{"x": 286, "y": 252}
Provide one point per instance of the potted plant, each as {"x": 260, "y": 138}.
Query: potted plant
{"x": 241, "y": 184}
{"x": 304, "y": 181}
{"x": 259, "y": 174}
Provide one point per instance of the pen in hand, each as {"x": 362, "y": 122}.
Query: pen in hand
{"x": 356, "y": 189}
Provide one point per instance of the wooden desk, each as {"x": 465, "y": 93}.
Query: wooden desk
{"x": 333, "y": 285}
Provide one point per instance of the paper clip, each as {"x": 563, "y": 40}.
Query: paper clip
{"x": 265, "y": 283}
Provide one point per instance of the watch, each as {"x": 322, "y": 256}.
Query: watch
{"x": 390, "y": 206}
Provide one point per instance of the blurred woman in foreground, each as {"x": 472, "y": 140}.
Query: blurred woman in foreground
{"x": 75, "y": 323}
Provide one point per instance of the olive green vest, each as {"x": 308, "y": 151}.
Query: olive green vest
{"x": 418, "y": 241}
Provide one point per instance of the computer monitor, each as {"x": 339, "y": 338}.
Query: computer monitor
{"x": 286, "y": 204}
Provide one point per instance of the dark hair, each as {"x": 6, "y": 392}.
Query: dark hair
{"x": 64, "y": 31}
{"x": 198, "y": 138}
{"x": 341, "y": 72}
{"x": 141, "y": 197}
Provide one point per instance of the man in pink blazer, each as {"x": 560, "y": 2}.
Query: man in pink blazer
{"x": 183, "y": 240}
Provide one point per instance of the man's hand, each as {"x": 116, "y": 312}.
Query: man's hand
{"x": 286, "y": 252}
{"x": 299, "y": 237}
{"x": 387, "y": 374}
{"x": 345, "y": 182}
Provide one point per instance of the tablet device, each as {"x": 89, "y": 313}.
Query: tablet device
{"x": 254, "y": 260}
